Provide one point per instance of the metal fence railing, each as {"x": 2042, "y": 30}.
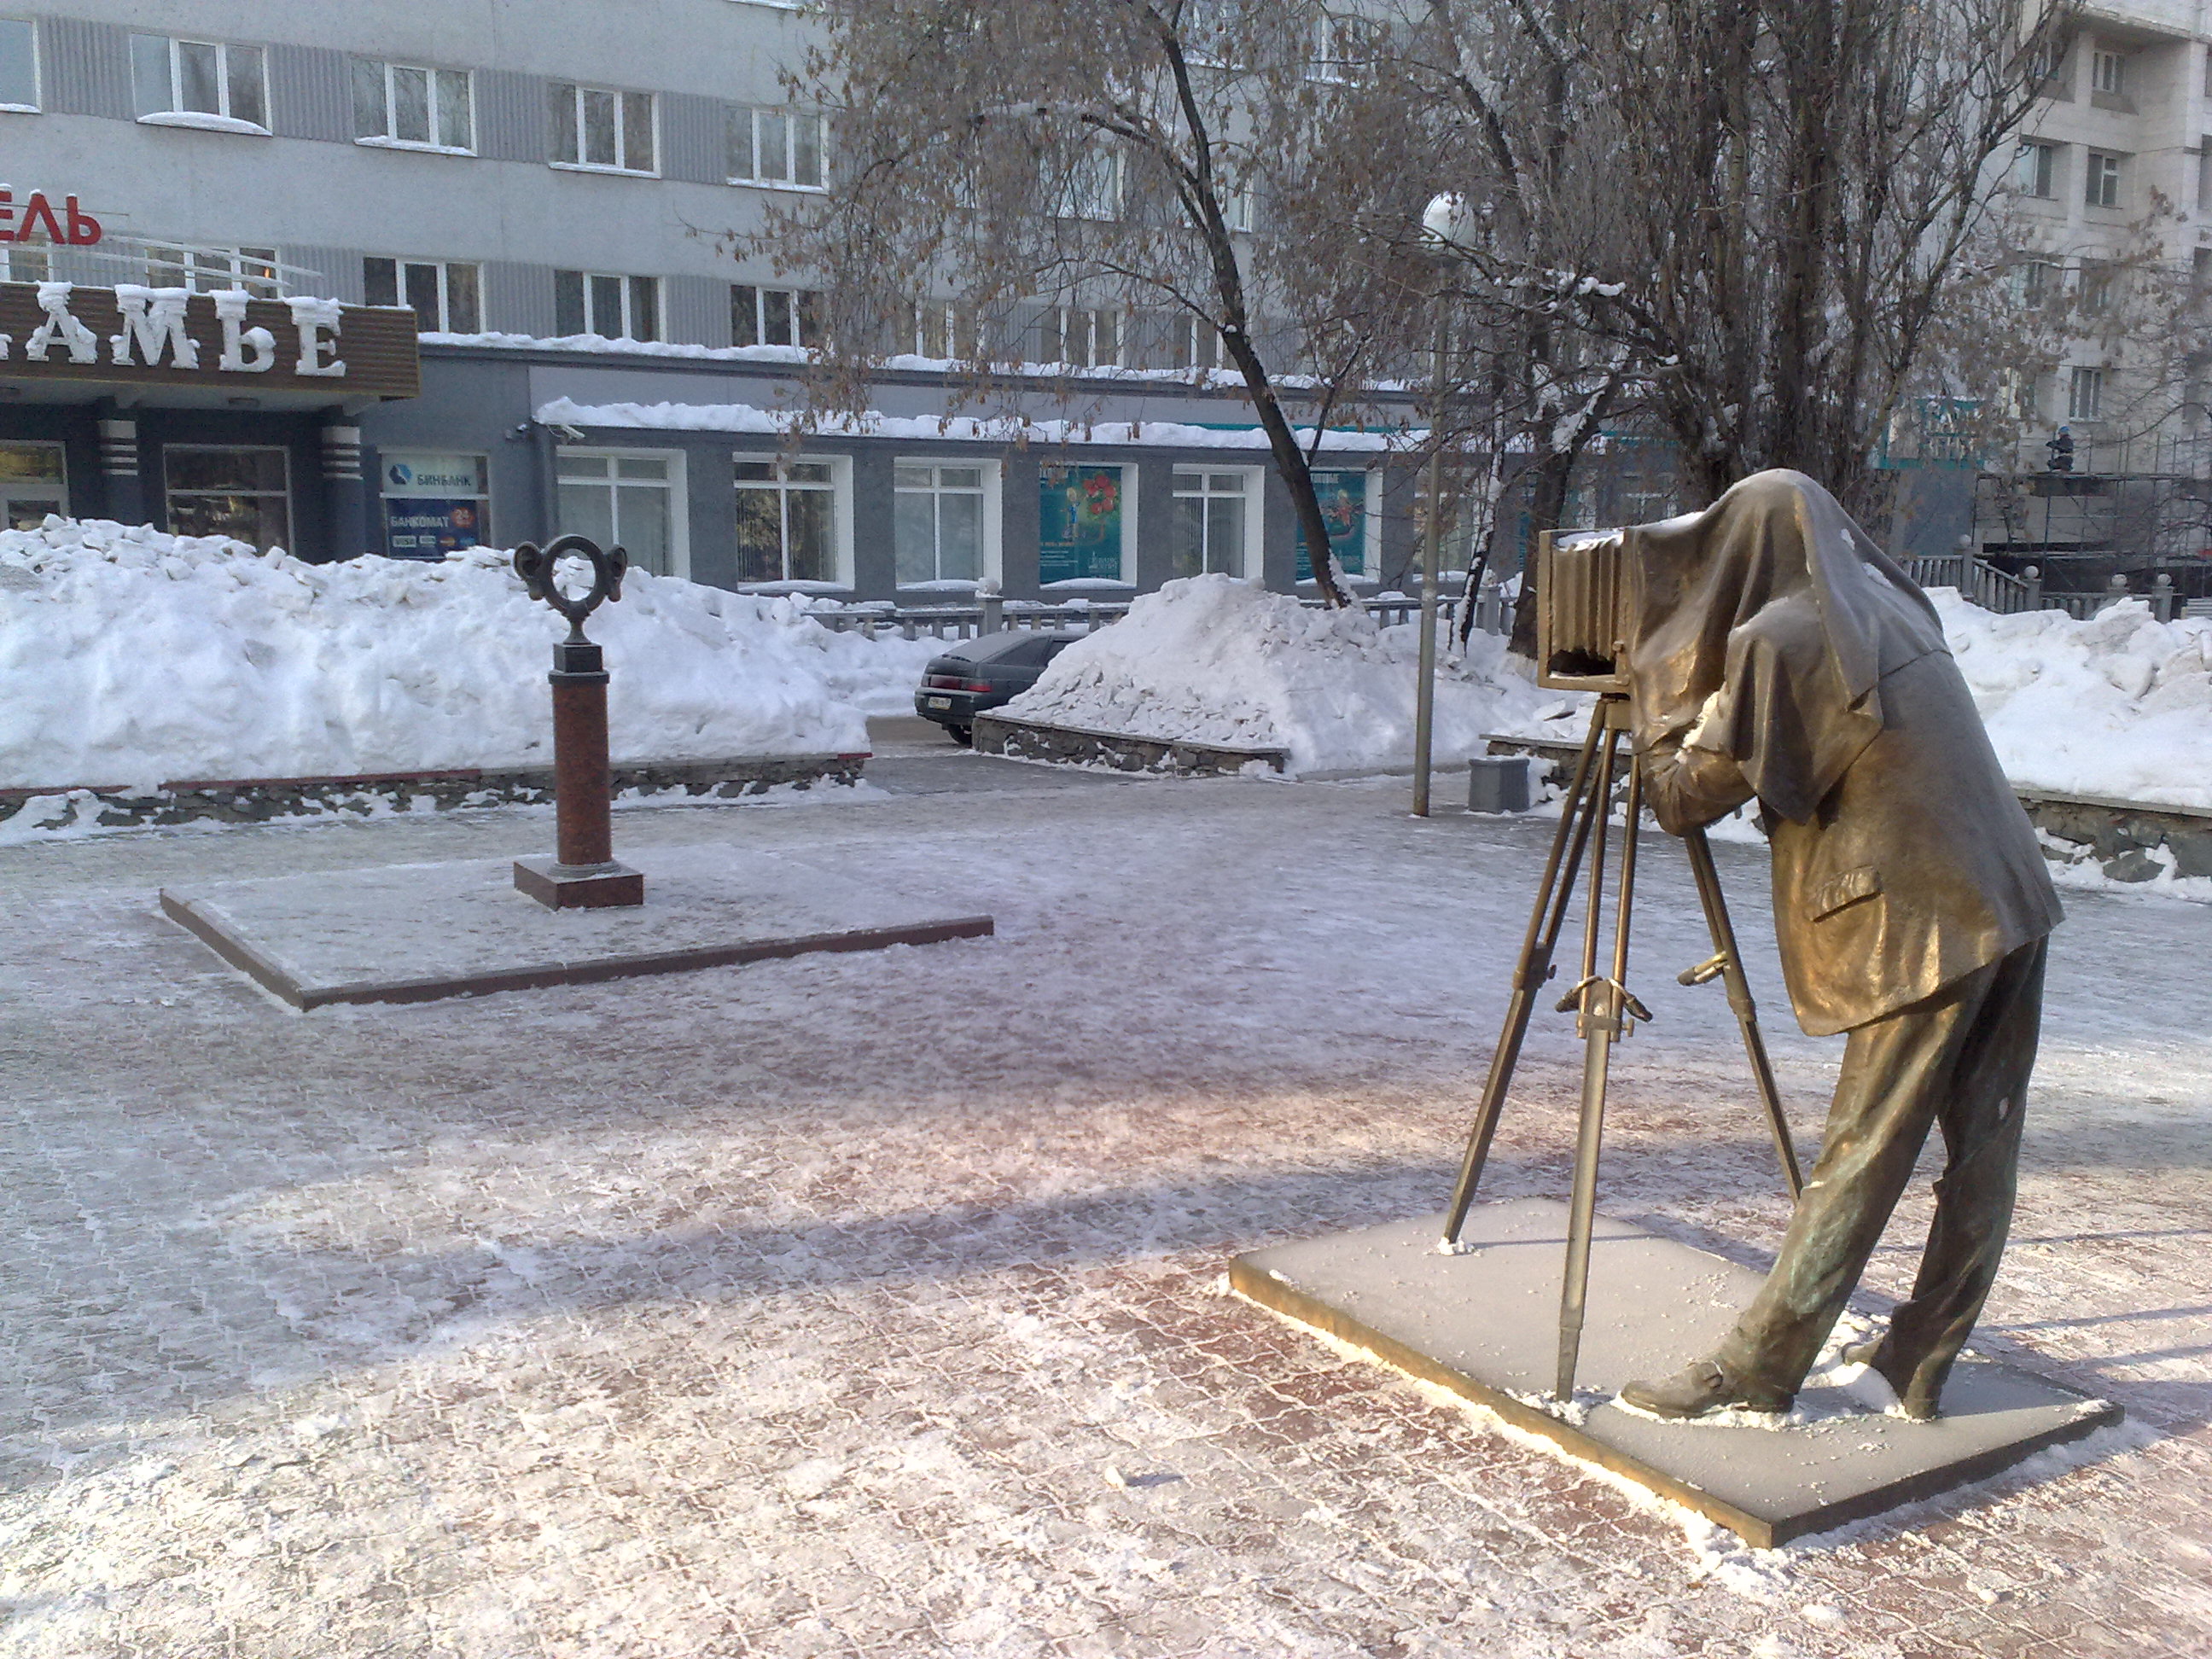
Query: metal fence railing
{"x": 1984, "y": 584}
{"x": 1494, "y": 614}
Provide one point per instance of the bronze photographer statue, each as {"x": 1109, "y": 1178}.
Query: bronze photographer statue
{"x": 1778, "y": 654}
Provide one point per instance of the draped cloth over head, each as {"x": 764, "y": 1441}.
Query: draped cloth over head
{"x": 1775, "y": 594}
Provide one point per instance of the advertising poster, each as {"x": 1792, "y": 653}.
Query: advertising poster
{"x": 1344, "y": 510}
{"x": 1079, "y": 524}
{"x": 421, "y": 527}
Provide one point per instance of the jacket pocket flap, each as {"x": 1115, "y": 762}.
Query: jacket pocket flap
{"x": 1847, "y": 887}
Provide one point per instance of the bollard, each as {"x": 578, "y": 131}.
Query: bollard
{"x": 582, "y": 874}
{"x": 1500, "y": 783}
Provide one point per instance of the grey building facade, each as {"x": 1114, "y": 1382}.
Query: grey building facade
{"x": 557, "y": 190}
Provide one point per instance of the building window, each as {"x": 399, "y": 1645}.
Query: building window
{"x": 2034, "y": 282}
{"x": 2035, "y": 172}
{"x": 1202, "y": 346}
{"x": 630, "y": 498}
{"x": 34, "y": 482}
{"x": 2085, "y": 394}
{"x": 19, "y": 66}
{"x": 222, "y": 490}
{"x": 2103, "y": 187}
{"x": 211, "y": 79}
{"x": 776, "y": 147}
{"x": 774, "y": 316}
{"x": 2096, "y": 289}
{"x": 1091, "y": 187}
{"x": 211, "y": 270}
{"x": 593, "y": 127}
{"x": 1083, "y": 523}
{"x": 614, "y": 307}
{"x": 940, "y": 330}
{"x": 1211, "y": 510}
{"x": 787, "y": 520}
{"x": 443, "y": 296}
{"x": 1081, "y": 336}
{"x": 2108, "y": 73}
{"x": 404, "y": 104}
{"x": 939, "y": 522}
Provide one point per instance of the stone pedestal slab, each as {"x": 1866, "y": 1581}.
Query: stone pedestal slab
{"x": 416, "y": 932}
{"x": 1485, "y": 1325}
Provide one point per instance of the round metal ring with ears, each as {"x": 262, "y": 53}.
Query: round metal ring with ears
{"x": 536, "y": 566}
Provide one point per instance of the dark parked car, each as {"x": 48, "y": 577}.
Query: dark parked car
{"x": 983, "y": 672}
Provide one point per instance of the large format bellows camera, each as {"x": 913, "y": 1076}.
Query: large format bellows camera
{"x": 1583, "y": 620}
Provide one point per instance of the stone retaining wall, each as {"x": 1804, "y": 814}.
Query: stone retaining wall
{"x": 2128, "y": 840}
{"x": 1001, "y": 734}
{"x": 263, "y": 800}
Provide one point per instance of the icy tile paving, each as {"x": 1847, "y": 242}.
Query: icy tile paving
{"x": 868, "y": 1305}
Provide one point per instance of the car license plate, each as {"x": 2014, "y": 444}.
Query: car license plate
{"x": 941, "y": 703}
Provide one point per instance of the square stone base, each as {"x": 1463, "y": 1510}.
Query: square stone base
{"x": 413, "y": 933}
{"x": 1485, "y": 1325}
{"x": 559, "y": 887}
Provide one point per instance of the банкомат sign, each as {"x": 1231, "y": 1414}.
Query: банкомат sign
{"x": 54, "y": 332}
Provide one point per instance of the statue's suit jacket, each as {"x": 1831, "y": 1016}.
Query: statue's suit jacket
{"x": 1918, "y": 866}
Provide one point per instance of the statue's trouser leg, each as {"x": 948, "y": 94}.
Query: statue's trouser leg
{"x": 1963, "y": 1057}
{"x": 1981, "y": 1123}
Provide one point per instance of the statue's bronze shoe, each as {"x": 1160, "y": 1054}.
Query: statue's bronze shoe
{"x": 1874, "y": 1355}
{"x": 1700, "y": 1391}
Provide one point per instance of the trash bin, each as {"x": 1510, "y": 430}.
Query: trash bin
{"x": 1500, "y": 783}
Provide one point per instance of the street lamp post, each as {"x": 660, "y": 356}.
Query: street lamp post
{"x": 1439, "y": 220}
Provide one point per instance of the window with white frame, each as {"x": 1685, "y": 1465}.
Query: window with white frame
{"x": 1081, "y": 336}
{"x": 21, "y": 262}
{"x": 2085, "y": 394}
{"x": 19, "y": 66}
{"x": 775, "y": 146}
{"x": 2101, "y": 180}
{"x": 600, "y": 128}
{"x": 445, "y": 295}
{"x": 1203, "y": 347}
{"x": 1213, "y": 518}
{"x": 2098, "y": 285}
{"x": 774, "y": 316}
{"x": 940, "y": 521}
{"x": 2108, "y": 73}
{"x": 786, "y": 520}
{"x": 2205, "y": 173}
{"x": 1091, "y": 186}
{"x": 211, "y": 270}
{"x": 941, "y": 330}
{"x": 630, "y": 497}
{"x": 410, "y": 105}
{"x": 220, "y": 83}
{"x": 614, "y": 307}
{"x": 2034, "y": 282}
{"x": 2035, "y": 170}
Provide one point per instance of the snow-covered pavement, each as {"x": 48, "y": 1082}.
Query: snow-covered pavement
{"x": 866, "y": 1304}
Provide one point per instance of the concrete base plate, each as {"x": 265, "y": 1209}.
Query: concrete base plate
{"x": 416, "y": 932}
{"x": 592, "y": 887}
{"x": 1485, "y": 1325}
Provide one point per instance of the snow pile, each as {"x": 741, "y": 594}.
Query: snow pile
{"x": 129, "y": 656}
{"x": 1213, "y": 659}
{"x": 2119, "y": 706}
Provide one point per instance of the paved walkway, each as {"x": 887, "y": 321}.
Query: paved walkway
{"x": 868, "y": 1304}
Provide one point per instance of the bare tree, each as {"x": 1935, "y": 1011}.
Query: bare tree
{"x": 1172, "y": 172}
{"x": 1756, "y": 217}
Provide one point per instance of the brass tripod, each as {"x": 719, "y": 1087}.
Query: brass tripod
{"x": 1605, "y": 1008}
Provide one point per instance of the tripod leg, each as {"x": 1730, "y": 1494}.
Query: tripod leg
{"x": 1739, "y": 995}
{"x": 1604, "y": 1014}
{"x": 1553, "y": 894}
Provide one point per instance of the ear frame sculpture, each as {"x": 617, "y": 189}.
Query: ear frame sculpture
{"x": 536, "y": 566}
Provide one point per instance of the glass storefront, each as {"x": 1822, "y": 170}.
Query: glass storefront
{"x": 34, "y": 482}
{"x": 221, "y": 489}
